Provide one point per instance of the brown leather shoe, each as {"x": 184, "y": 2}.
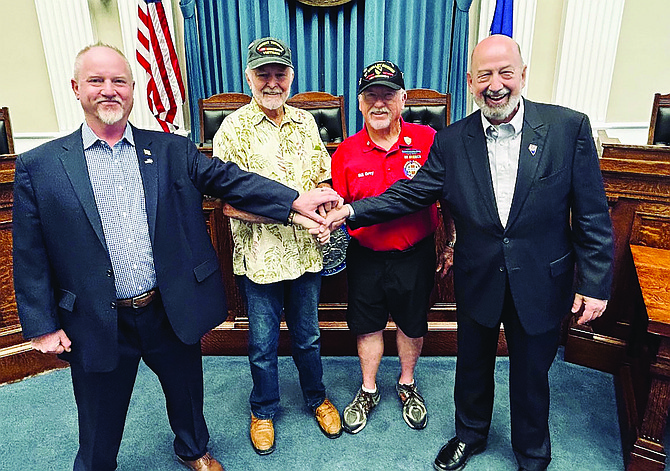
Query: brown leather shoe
{"x": 204, "y": 463}
{"x": 262, "y": 433}
{"x": 328, "y": 418}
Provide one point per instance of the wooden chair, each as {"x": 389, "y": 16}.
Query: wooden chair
{"x": 428, "y": 107}
{"x": 214, "y": 109}
{"x": 328, "y": 112}
{"x": 6, "y": 139}
{"x": 659, "y": 128}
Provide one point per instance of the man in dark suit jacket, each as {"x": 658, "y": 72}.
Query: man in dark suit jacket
{"x": 523, "y": 185}
{"x": 113, "y": 262}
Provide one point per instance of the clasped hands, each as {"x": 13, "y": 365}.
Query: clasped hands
{"x": 321, "y": 211}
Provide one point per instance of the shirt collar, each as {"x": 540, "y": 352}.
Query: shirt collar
{"x": 403, "y": 139}
{"x": 516, "y": 122}
{"x": 89, "y": 138}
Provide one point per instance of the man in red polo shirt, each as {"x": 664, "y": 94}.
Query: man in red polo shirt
{"x": 391, "y": 265}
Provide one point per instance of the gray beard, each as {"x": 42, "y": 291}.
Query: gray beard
{"x": 499, "y": 113}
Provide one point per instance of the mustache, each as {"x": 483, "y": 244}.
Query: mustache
{"x": 380, "y": 110}
{"x": 499, "y": 94}
{"x": 109, "y": 100}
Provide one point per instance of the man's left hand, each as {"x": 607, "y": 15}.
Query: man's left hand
{"x": 591, "y": 308}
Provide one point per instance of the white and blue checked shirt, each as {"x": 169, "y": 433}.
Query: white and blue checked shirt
{"x": 119, "y": 196}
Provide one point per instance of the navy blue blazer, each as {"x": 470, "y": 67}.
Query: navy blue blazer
{"x": 559, "y": 216}
{"x": 63, "y": 275}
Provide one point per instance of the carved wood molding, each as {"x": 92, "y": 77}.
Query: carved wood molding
{"x": 324, "y": 3}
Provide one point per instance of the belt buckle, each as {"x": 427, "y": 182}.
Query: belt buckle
{"x": 139, "y": 298}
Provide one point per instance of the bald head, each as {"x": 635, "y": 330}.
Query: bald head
{"x": 498, "y": 45}
{"x": 496, "y": 77}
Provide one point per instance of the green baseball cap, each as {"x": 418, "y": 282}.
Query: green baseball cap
{"x": 268, "y": 51}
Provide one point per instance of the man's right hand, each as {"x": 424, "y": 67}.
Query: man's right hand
{"x": 337, "y": 217}
{"x": 55, "y": 342}
{"x": 308, "y": 202}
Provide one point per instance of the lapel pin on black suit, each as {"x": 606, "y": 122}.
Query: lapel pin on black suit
{"x": 148, "y": 161}
{"x": 532, "y": 148}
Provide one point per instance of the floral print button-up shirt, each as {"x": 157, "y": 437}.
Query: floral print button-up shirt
{"x": 291, "y": 153}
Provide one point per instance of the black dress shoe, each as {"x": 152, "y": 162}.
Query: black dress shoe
{"x": 455, "y": 454}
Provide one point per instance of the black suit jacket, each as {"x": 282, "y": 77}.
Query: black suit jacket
{"x": 559, "y": 216}
{"x": 62, "y": 270}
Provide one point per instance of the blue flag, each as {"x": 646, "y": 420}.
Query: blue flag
{"x": 503, "y": 18}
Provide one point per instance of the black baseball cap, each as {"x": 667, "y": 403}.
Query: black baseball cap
{"x": 381, "y": 73}
{"x": 268, "y": 51}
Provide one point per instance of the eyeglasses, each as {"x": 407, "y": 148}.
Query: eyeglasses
{"x": 372, "y": 97}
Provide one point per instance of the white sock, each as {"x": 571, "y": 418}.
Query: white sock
{"x": 369, "y": 391}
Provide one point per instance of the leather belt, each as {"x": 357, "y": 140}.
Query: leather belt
{"x": 139, "y": 301}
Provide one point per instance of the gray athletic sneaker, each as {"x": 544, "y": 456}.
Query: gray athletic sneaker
{"x": 355, "y": 415}
{"x": 413, "y": 408}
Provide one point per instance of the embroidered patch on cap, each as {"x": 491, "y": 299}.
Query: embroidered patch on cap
{"x": 270, "y": 47}
{"x": 381, "y": 73}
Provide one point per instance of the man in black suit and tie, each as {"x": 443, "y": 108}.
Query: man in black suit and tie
{"x": 113, "y": 262}
{"x": 523, "y": 185}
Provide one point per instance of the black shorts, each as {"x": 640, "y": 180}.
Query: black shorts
{"x": 398, "y": 283}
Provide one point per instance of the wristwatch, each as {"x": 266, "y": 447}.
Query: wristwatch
{"x": 289, "y": 221}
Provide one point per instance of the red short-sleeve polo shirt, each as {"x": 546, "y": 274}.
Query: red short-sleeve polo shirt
{"x": 360, "y": 169}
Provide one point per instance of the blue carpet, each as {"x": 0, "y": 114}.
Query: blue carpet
{"x": 39, "y": 424}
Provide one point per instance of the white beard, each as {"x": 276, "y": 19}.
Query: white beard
{"x": 270, "y": 102}
{"x": 110, "y": 116}
{"x": 497, "y": 113}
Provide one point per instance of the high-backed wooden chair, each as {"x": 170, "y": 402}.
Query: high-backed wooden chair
{"x": 6, "y": 139}
{"x": 659, "y": 127}
{"x": 328, "y": 112}
{"x": 428, "y": 107}
{"x": 214, "y": 109}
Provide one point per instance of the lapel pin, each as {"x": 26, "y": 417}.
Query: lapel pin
{"x": 148, "y": 161}
{"x": 408, "y": 140}
{"x": 532, "y": 148}
{"x": 147, "y": 152}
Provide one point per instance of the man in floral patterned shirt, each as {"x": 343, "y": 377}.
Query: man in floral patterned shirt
{"x": 279, "y": 266}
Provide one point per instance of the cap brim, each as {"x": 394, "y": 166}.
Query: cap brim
{"x": 269, "y": 60}
{"x": 392, "y": 85}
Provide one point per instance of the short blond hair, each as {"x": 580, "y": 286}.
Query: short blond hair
{"x": 80, "y": 54}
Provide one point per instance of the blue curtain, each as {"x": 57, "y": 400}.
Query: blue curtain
{"x": 459, "y": 61}
{"x": 330, "y": 45}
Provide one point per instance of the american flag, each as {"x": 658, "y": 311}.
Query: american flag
{"x": 156, "y": 55}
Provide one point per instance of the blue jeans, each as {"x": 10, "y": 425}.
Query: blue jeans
{"x": 298, "y": 300}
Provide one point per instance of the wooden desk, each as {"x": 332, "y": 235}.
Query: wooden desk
{"x": 652, "y": 266}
